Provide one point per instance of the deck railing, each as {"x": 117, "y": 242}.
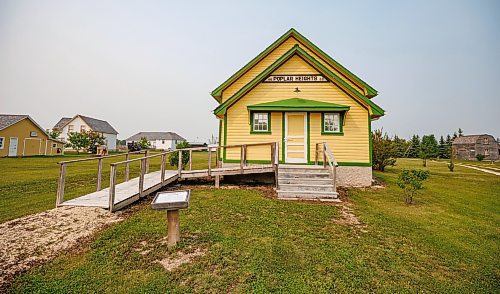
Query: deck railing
{"x": 328, "y": 158}
{"x": 63, "y": 166}
{"x": 144, "y": 166}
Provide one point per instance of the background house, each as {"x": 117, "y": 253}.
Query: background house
{"x": 80, "y": 123}
{"x": 158, "y": 140}
{"x": 20, "y": 135}
{"x": 468, "y": 147}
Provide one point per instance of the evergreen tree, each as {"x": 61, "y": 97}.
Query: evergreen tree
{"x": 428, "y": 148}
{"x": 414, "y": 148}
{"x": 460, "y": 132}
{"x": 455, "y": 135}
{"x": 449, "y": 141}
{"x": 442, "y": 148}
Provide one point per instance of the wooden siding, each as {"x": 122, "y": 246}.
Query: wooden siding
{"x": 353, "y": 146}
{"x": 272, "y": 57}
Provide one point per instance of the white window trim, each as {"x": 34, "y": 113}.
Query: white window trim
{"x": 3, "y": 142}
{"x": 339, "y": 122}
{"x": 267, "y": 123}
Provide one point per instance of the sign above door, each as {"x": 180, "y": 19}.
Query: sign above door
{"x": 295, "y": 79}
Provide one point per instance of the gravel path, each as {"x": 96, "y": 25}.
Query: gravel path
{"x": 480, "y": 169}
{"x": 34, "y": 239}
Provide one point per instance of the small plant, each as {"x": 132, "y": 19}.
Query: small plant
{"x": 78, "y": 141}
{"x": 451, "y": 166}
{"x": 480, "y": 157}
{"x": 144, "y": 143}
{"x": 174, "y": 157}
{"x": 411, "y": 181}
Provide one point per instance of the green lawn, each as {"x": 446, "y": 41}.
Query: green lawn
{"x": 448, "y": 241}
{"x": 28, "y": 185}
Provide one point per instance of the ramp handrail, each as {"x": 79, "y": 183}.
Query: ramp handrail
{"x": 62, "y": 171}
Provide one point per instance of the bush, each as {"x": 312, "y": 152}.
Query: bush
{"x": 411, "y": 181}
{"x": 174, "y": 157}
{"x": 383, "y": 151}
{"x": 479, "y": 157}
{"x": 144, "y": 143}
{"x": 451, "y": 166}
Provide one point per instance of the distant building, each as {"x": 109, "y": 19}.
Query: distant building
{"x": 158, "y": 140}
{"x": 468, "y": 147}
{"x": 20, "y": 135}
{"x": 80, "y": 123}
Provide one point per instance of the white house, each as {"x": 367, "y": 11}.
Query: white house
{"x": 80, "y": 123}
{"x": 158, "y": 140}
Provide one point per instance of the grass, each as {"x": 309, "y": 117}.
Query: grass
{"x": 28, "y": 185}
{"x": 448, "y": 241}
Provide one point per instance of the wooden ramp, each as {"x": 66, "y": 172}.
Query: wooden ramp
{"x": 120, "y": 195}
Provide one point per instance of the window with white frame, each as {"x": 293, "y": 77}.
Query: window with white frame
{"x": 82, "y": 129}
{"x": 331, "y": 122}
{"x": 486, "y": 141}
{"x": 260, "y": 122}
{"x": 70, "y": 128}
{"x": 2, "y": 140}
{"x": 486, "y": 151}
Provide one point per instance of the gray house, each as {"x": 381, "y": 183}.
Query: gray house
{"x": 468, "y": 147}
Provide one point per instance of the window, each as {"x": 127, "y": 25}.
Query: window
{"x": 332, "y": 123}
{"x": 70, "y": 128}
{"x": 82, "y": 129}
{"x": 260, "y": 122}
{"x": 163, "y": 141}
{"x": 2, "y": 140}
{"x": 54, "y": 145}
{"x": 486, "y": 141}
{"x": 486, "y": 151}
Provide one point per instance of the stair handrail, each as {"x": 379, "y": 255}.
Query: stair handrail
{"x": 328, "y": 157}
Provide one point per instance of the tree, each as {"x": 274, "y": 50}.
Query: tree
{"x": 449, "y": 141}
{"x": 442, "y": 148}
{"x": 174, "y": 157}
{"x": 411, "y": 181}
{"x": 428, "y": 148}
{"x": 78, "y": 141}
{"x": 144, "y": 143}
{"x": 95, "y": 139}
{"x": 401, "y": 146}
{"x": 460, "y": 132}
{"x": 53, "y": 134}
{"x": 383, "y": 151}
{"x": 414, "y": 148}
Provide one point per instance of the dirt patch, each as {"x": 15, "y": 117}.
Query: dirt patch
{"x": 171, "y": 263}
{"x": 28, "y": 241}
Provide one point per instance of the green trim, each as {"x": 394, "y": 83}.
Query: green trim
{"x": 268, "y": 132}
{"x": 220, "y": 139}
{"x": 298, "y": 104}
{"x": 283, "y": 136}
{"x": 308, "y": 137}
{"x": 341, "y": 121}
{"x": 225, "y": 135}
{"x": 296, "y": 50}
{"x": 258, "y": 161}
{"x": 370, "y": 138}
{"x": 345, "y": 163}
{"x": 301, "y": 39}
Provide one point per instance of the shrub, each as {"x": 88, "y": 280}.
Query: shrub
{"x": 95, "y": 139}
{"x": 451, "y": 166}
{"x": 480, "y": 157}
{"x": 411, "y": 181}
{"x": 78, "y": 141}
{"x": 383, "y": 150}
{"x": 174, "y": 157}
{"x": 144, "y": 143}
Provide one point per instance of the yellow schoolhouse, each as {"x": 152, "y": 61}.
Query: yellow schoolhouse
{"x": 295, "y": 94}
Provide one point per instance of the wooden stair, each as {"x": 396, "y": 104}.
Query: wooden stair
{"x": 306, "y": 182}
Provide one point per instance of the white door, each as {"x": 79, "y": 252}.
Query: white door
{"x": 296, "y": 137}
{"x": 13, "y": 146}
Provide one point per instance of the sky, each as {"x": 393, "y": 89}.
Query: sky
{"x": 151, "y": 65}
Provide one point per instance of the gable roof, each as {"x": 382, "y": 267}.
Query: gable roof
{"x": 150, "y": 136}
{"x": 61, "y": 123}
{"x": 469, "y": 139}
{"x": 298, "y": 104}
{"x": 95, "y": 124}
{"x": 217, "y": 93}
{"x": 376, "y": 110}
{"x": 6, "y": 120}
